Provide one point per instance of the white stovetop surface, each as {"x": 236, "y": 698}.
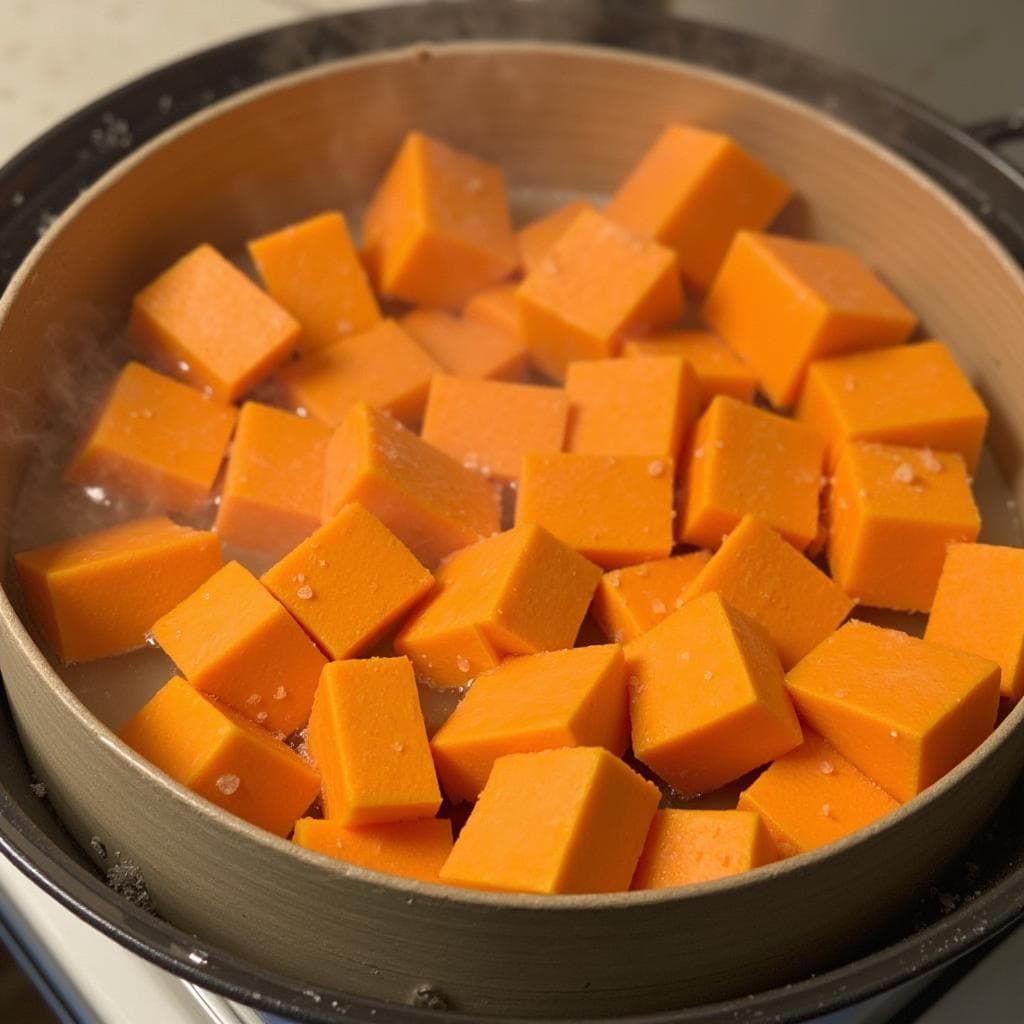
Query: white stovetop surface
{"x": 57, "y": 55}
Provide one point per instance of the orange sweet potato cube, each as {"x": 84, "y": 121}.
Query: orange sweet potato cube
{"x": 744, "y": 460}
{"x": 312, "y": 270}
{"x": 348, "y": 582}
{"x": 99, "y": 594}
{"x": 537, "y": 237}
{"x": 490, "y": 425}
{"x": 520, "y": 592}
{"x": 903, "y": 710}
{"x": 437, "y": 229}
{"x": 718, "y": 371}
{"x": 630, "y": 406}
{"x": 367, "y": 736}
{"x": 615, "y": 510}
{"x": 467, "y": 347}
{"x": 569, "y": 698}
{"x": 155, "y": 442}
{"x": 233, "y": 641}
{"x": 759, "y": 574}
{"x": 499, "y": 307}
{"x": 381, "y": 365}
{"x": 571, "y": 820}
{"x": 913, "y": 395}
{"x": 813, "y": 796}
{"x": 432, "y": 503}
{"x": 223, "y": 757}
{"x": 707, "y": 697}
{"x": 892, "y": 512}
{"x": 597, "y": 284}
{"x": 979, "y": 607}
{"x": 685, "y": 846}
{"x": 780, "y": 303}
{"x": 692, "y": 191}
{"x": 273, "y": 488}
{"x": 631, "y": 601}
{"x": 411, "y": 849}
{"x": 208, "y": 321}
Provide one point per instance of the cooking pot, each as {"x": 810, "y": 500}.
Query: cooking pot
{"x": 296, "y": 130}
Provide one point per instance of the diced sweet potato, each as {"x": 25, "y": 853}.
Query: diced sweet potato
{"x": 613, "y": 509}
{"x": 903, "y": 710}
{"x": 520, "y": 592}
{"x": 223, "y": 757}
{"x": 597, "y": 284}
{"x": 707, "y": 697}
{"x": 233, "y": 641}
{"x": 312, "y": 270}
{"x": 780, "y": 303}
{"x": 367, "y": 736}
{"x": 469, "y": 347}
{"x": 155, "y": 441}
{"x": 432, "y": 503}
{"x": 99, "y": 594}
{"x": 437, "y": 229}
{"x": 208, "y": 322}
{"x": 692, "y": 191}
{"x": 490, "y": 425}
{"x": 273, "y": 488}
{"x": 569, "y": 820}
{"x": 381, "y": 365}
{"x": 348, "y": 582}
{"x": 570, "y": 698}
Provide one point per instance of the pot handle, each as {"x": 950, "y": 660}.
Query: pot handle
{"x": 998, "y": 130}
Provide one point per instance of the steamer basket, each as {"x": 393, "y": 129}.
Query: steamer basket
{"x": 560, "y": 119}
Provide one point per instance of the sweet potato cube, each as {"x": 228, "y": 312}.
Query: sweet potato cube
{"x": 597, "y": 284}
{"x": 903, "y": 710}
{"x": 204, "y": 318}
{"x": 630, "y": 406}
{"x": 979, "y": 607}
{"x": 615, "y": 510}
{"x": 490, "y": 425}
{"x": 99, "y": 594}
{"x": 437, "y": 229}
{"x": 631, "y": 601}
{"x": 273, "y": 488}
{"x": 520, "y": 592}
{"x": 759, "y": 574}
{"x": 312, "y": 270}
{"x": 912, "y": 395}
{"x": 718, "y": 371}
{"x": 155, "y": 442}
{"x": 743, "y": 460}
{"x": 892, "y": 513}
{"x": 223, "y": 757}
{"x": 570, "y": 820}
{"x": 780, "y": 303}
{"x": 570, "y": 698}
{"x": 367, "y": 736}
{"x": 813, "y": 796}
{"x": 499, "y": 308}
{"x": 432, "y": 503}
{"x": 381, "y": 365}
{"x": 348, "y": 582}
{"x": 707, "y": 697}
{"x": 686, "y": 846}
{"x": 692, "y": 191}
{"x": 411, "y": 849}
{"x": 467, "y": 347}
{"x": 233, "y": 641}
{"x": 537, "y": 237}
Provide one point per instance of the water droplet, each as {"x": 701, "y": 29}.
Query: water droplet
{"x": 228, "y": 783}
{"x": 305, "y": 592}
